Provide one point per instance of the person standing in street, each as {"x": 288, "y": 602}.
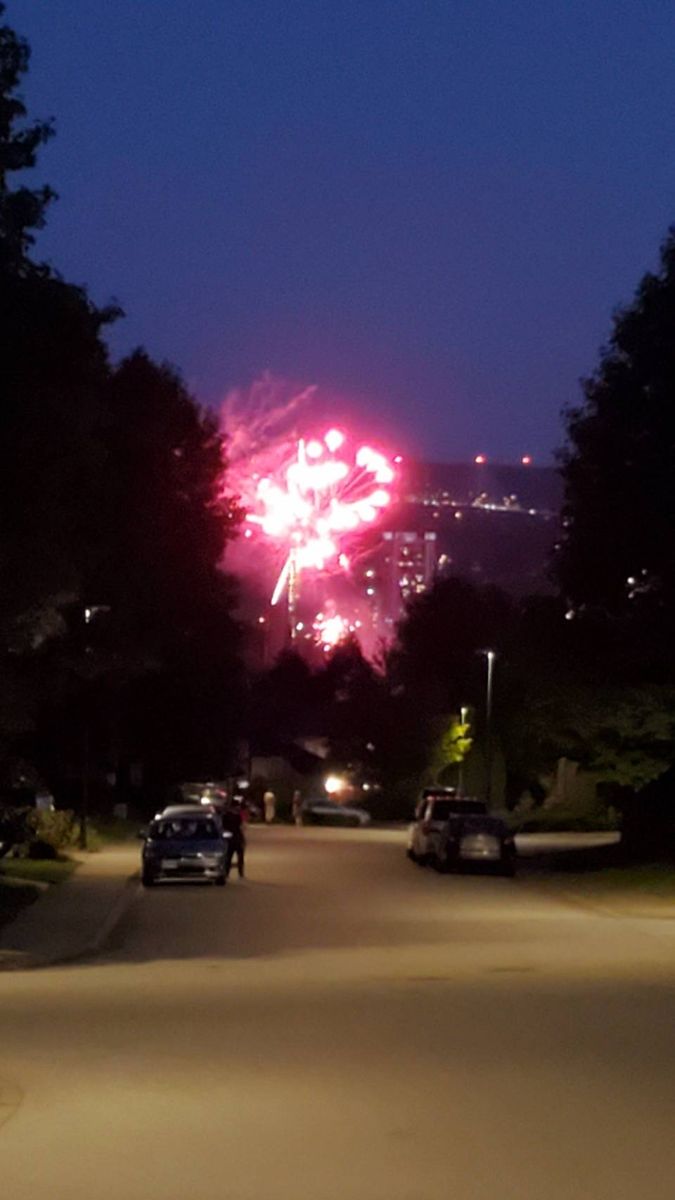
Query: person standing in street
{"x": 296, "y": 807}
{"x": 233, "y": 823}
{"x": 270, "y": 806}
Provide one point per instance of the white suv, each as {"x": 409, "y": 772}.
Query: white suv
{"x": 434, "y": 808}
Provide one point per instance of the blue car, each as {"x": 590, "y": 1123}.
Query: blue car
{"x": 185, "y": 843}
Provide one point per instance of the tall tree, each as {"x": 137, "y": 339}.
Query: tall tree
{"x": 618, "y": 550}
{"x": 112, "y": 499}
{"x": 22, "y": 209}
{"x": 53, "y": 367}
{"x": 165, "y": 523}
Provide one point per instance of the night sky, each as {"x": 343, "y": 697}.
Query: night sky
{"x": 429, "y": 206}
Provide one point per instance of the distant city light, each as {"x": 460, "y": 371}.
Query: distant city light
{"x": 526, "y": 460}
{"x": 480, "y": 459}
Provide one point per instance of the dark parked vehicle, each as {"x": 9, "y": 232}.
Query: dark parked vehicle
{"x": 327, "y": 812}
{"x": 476, "y": 840}
{"x": 185, "y": 844}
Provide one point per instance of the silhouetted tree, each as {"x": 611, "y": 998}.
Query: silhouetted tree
{"x": 112, "y": 502}
{"x": 436, "y": 658}
{"x": 22, "y": 209}
{"x": 618, "y": 549}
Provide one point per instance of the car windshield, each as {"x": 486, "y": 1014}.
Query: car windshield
{"x": 446, "y": 808}
{"x": 186, "y": 830}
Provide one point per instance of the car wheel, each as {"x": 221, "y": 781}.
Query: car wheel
{"x": 444, "y": 863}
{"x": 148, "y": 878}
{"x": 220, "y": 880}
{"x": 411, "y": 855}
{"x": 508, "y": 869}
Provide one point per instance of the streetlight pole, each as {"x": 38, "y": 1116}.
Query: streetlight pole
{"x": 490, "y": 656}
{"x": 463, "y": 717}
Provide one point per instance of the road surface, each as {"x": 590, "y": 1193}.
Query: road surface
{"x": 345, "y": 1026}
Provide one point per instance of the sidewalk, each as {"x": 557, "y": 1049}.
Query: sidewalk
{"x": 72, "y": 918}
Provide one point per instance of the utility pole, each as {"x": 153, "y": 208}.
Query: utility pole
{"x": 490, "y": 656}
{"x": 463, "y": 717}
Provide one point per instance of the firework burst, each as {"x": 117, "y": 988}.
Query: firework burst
{"x": 327, "y": 492}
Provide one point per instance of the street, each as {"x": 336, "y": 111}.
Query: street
{"x": 345, "y": 1026}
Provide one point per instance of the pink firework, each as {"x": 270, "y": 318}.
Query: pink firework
{"x": 316, "y": 501}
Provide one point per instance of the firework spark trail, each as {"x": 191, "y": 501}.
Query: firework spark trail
{"x": 259, "y": 421}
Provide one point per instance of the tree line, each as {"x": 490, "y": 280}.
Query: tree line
{"x": 120, "y": 649}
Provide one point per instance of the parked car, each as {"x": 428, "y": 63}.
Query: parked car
{"x": 476, "y": 841}
{"x": 432, "y": 812}
{"x": 185, "y": 843}
{"x": 206, "y": 794}
{"x": 214, "y": 796}
{"x": 327, "y": 812}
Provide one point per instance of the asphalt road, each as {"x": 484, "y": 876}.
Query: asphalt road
{"x": 345, "y": 1026}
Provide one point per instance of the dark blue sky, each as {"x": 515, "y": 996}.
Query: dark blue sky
{"x": 431, "y": 205}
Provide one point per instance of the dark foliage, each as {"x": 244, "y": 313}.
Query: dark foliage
{"x": 22, "y": 209}
{"x": 618, "y": 550}
{"x": 117, "y": 638}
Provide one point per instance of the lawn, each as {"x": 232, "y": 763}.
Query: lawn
{"x": 37, "y": 870}
{"x": 646, "y": 879}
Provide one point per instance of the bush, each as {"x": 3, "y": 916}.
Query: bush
{"x": 56, "y": 829}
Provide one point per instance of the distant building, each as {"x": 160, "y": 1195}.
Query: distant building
{"x": 489, "y": 523}
{"x": 408, "y": 567}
